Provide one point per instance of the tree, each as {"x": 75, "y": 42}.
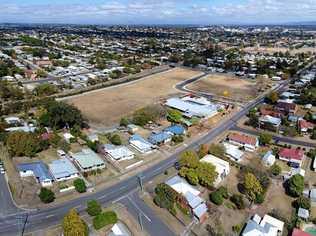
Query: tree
{"x": 252, "y": 186}
{"x": 295, "y": 185}
{"x": 124, "y": 122}
{"x": 60, "y": 115}
{"x": 238, "y": 200}
{"x": 275, "y": 169}
{"x": 302, "y": 202}
{"x": 20, "y": 143}
{"x": 273, "y": 97}
{"x": 115, "y": 139}
{"x": 189, "y": 159}
{"x": 45, "y": 90}
{"x": 217, "y": 198}
{"x": 217, "y": 150}
{"x": 207, "y": 174}
{"x": 192, "y": 177}
{"x": 46, "y": 195}
{"x": 265, "y": 138}
{"x": 104, "y": 219}
{"x": 80, "y": 185}
{"x": 174, "y": 116}
{"x": 203, "y": 150}
{"x": 93, "y": 208}
{"x": 73, "y": 225}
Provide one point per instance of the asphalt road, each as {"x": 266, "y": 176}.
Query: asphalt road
{"x": 145, "y": 215}
{"x": 52, "y": 215}
{"x": 6, "y": 203}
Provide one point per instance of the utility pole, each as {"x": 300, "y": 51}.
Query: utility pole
{"x": 140, "y": 181}
{"x": 140, "y": 219}
{"x": 25, "y": 222}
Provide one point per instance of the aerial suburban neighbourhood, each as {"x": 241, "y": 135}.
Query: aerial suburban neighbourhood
{"x": 136, "y": 129}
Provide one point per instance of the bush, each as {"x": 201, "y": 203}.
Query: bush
{"x": 93, "y": 208}
{"x": 177, "y": 139}
{"x": 302, "y": 202}
{"x": 259, "y": 198}
{"x": 275, "y": 170}
{"x": 238, "y": 200}
{"x": 116, "y": 139}
{"x": 217, "y": 198}
{"x": 236, "y": 228}
{"x": 80, "y": 185}
{"x": 104, "y": 219}
{"x": 223, "y": 191}
{"x": 46, "y": 195}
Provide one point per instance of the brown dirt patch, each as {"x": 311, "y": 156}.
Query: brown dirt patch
{"x": 107, "y": 106}
{"x": 225, "y": 85}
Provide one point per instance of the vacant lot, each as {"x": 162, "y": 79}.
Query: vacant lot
{"x": 107, "y": 106}
{"x": 225, "y": 85}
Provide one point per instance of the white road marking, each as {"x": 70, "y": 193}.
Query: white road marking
{"x": 135, "y": 205}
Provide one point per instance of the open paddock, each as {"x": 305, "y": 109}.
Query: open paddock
{"x": 109, "y": 105}
{"x": 225, "y": 85}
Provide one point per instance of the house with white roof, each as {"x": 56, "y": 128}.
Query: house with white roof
{"x": 222, "y": 167}
{"x": 266, "y": 226}
{"x": 117, "y": 153}
{"x": 140, "y": 144}
{"x": 233, "y": 152}
{"x": 192, "y": 196}
{"x": 88, "y": 160}
{"x": 63, "y": 169}
{"x": 268, "y": 158}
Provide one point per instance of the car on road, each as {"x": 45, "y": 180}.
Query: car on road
{"x": 177, "y": 165}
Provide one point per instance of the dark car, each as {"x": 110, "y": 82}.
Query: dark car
{"x": 177, "y": 165}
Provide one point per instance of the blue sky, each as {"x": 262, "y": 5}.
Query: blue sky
{"x": 157, "y": 11}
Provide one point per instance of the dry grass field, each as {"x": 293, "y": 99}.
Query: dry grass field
{"x": 225, "y": 85}
{"x": 109, "y": 105}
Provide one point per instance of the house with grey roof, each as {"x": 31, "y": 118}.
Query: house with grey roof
{"x": 63, "y": 169}
{"x": 87, "y": 160}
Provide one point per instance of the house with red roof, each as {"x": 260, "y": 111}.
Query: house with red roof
{"x": 250, "y": 143}
{"x": 293, "y": 156}
{"x": 304, "y": 126}
{"x": 298, "y": 232}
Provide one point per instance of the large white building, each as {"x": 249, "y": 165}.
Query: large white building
{"x": 222, "y": 167}
{"x": 117, "y": 153}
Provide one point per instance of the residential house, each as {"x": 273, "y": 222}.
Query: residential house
{"x": 192, "y": 196}
{"x": 303, "y": 213}
{"x": 298, "y": 232}
{"x": 117, "y": 153}
{"x": 63, "y": 169}
{"x": 268, "y": 158}
{"x": 38, "y": 170}
{"x": 242, "y": 140}
{"x": 293, "y": 156}
{"x": 160, "y": 138}
{"x": 119, "y": 229}
{"x": 266, "y": 226}
{"x": 233, "y": 152}
{"x": 88, "y": 160}
{"x": 304, "y": 126}
{"x": 140, "y": 144}
{"x": 286, "y": 107}
{"x": 221, "y": 166}
{"x": 269, "y": 122}
{"x": 175, "y": 130}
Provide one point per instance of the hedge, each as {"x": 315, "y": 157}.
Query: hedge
{"x": 104, "y": 219}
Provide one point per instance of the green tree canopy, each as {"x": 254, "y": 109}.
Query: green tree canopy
{"x": 252, "y": 186}
{"x": 207, "y": 174}
{"x": 46, "y": 195}
{"x": 93, "y": 208}
{"x": 265, "y": 138}
{"x": 189, "y": 159}
{"x": 45, "y": 90}
{"x": 217, "y": 150}
{"x": 80, "y": 185}
{"x": 295, "y": 185}
{"x": 174, "y": 116}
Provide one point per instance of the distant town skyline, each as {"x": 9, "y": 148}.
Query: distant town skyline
{"x": 158, "y": 12}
